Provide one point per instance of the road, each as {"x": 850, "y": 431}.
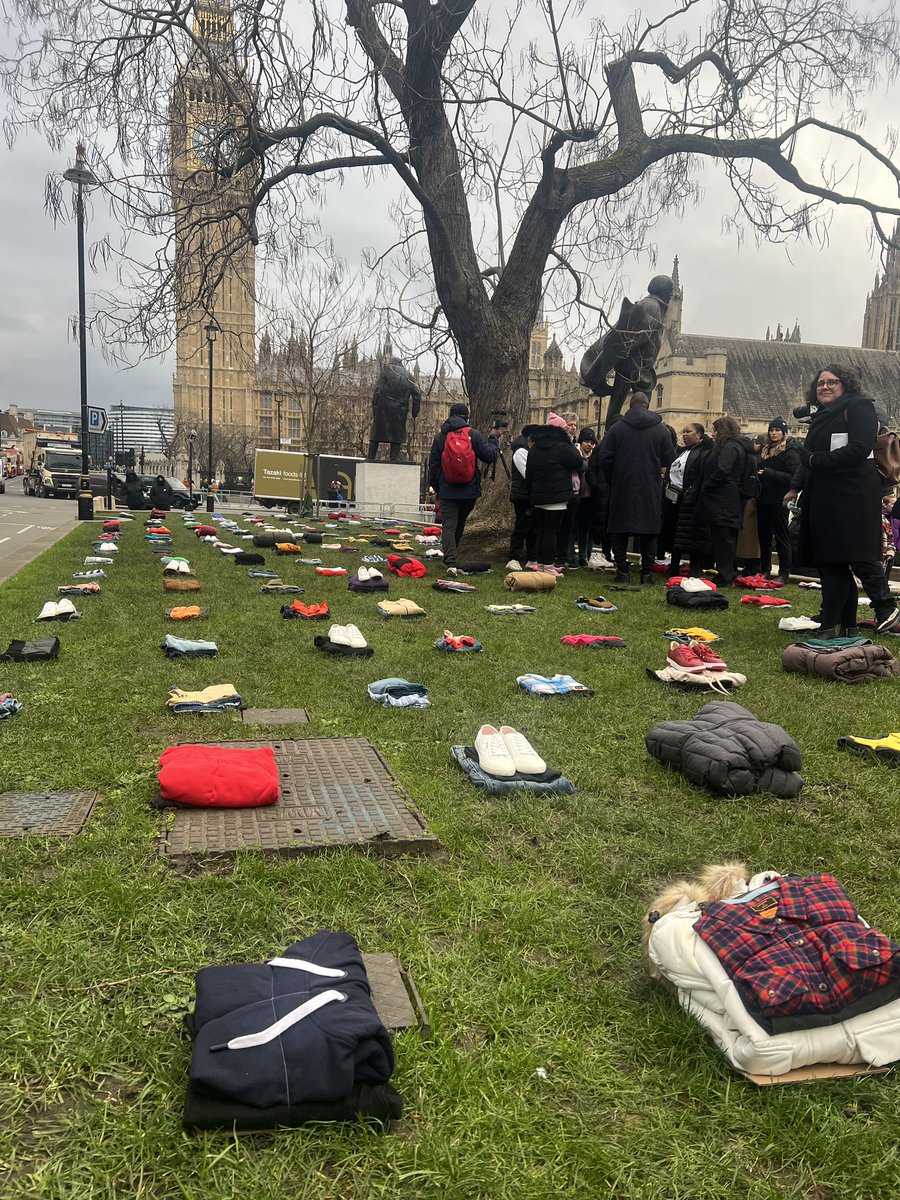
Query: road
{"x": 28, "y": 526}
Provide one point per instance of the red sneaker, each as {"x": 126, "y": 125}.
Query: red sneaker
{"x": 684, "y": 657}
{"x": 709, "y": 658}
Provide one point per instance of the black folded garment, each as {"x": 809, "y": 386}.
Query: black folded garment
{"x": 268, "y": 537}
{"x": 39, "y": 651}
{"x": 313, "y": 539}
{"x": 260, "y": 1060}
{"x": 378, "y": 1103}
{"x": 249, "y": 559}
{"x": 473, "y": 568}
{"x": 342, "y": 651}
{"x": 683, "y": 599}
{"x": 377, "y": 541}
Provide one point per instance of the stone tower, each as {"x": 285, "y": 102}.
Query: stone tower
{"x": 881, "y": 326}
{"x": 215, "y": 258}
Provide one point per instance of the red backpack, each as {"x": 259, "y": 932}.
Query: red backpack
{"x": 458, "y": 456}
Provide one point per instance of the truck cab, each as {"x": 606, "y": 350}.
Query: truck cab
{"x": 54, "y": 470}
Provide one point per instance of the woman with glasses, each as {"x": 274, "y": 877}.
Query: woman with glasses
{"x": 840, "y": 529}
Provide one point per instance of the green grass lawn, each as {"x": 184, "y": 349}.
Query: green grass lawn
{"x": 522, "y": 932}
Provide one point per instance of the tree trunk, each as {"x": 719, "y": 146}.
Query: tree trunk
{"x": 497, "y": 380}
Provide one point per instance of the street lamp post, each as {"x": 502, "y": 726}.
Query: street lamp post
{"x": 191, "y": 437}
{"x": 82, "y": 177}
{"x": 279, "y": 400}
{"x": 212, "y": 329}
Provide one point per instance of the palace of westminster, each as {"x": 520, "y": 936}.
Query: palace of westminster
{"x": 260, "y": 386}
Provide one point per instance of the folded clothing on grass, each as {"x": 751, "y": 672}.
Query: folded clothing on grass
{"x": 187, "y": 612}
{"x": 58, "y": 610}
{"x": 262, "y": 574}
{"x": 595, "y": 604}
{"x": 375, "y": 583}
{"x": 553, "y": 685}
{"x": 39, "y": 651}
{"x": 331, "y": 571}
{"x": 705, "y": 599}
{"x": 258, "y": 1060}
{"x": 79, "y": 589}
{"x": 398, "y": 693}
{"x": 530, "y": 581}
{"x": 457, "y": 643}
{"x": 766, "y": 601}
{"x": 176, "y": 647}
{"x": 509, "y": 609}
{"x": 340, "y": 650}
{"x": 549, "y": 781}
{"x": 693, "y": 633}
{"x": 699, "y": 681}
{"x": 593, "y": 641}
{"x": 180, "y": 584}
{"x": 9, "y": 706}
{"x": 307, "y": 612}
{"x": 406, "y": 567}
{"x": 403, "y": 608}
{"x": 216, "y": 698}
{"x": 247, "y": 558}
{"x": 856, "y": 662}
{"x": 452, "y": 585}
{"x": 218, "y": 777}
{"x": 278, "y": 587}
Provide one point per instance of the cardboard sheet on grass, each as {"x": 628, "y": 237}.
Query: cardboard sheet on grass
{"x": 334, "y": 792}
{"x": 816, "y": 1073}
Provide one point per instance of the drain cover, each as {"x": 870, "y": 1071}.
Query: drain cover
{"x": 45, "y": 814}
{"x": 334, "y": 792}
{"x": 274, "y": 716}
{"x": 394, "y": 995}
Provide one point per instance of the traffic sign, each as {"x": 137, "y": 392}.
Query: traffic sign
{"x": 96, "y": 420}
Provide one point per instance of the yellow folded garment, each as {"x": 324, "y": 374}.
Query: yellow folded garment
{"x": 216, "y": 691}
{"x": 697, "y": 634}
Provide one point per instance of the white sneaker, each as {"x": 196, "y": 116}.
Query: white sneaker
{"x": 355, "y": 638}
{"x": 494, "y": 757}
{"x": 693, "y": 584}
{"x": 338, "y": 634}
{"x": 374, "y": 573}
{"x": 49, "y": 612}
{"x": 514, "y": 565}
{"x": 65, "y": 610}
{"x": 599, "y": 562}
{"x": 452, "y": 571}
{"x": 523, "y": 754}
{"x": 363, "y": 574}
{"x": 798, "y": 624}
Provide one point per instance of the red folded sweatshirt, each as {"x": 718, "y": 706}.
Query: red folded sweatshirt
{"x": 219, "y": 776}
{"x": 406, "y": 568}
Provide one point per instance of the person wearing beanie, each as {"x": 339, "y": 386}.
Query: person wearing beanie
{"x": 457, "y": 498}
{"x": 553, "y": 463}
{"x": 633, "y": 456}
{"x": 522, "y": 537}
{"x": 778, "y": 460}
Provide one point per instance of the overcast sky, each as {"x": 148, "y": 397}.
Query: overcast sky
{"x": 731, "y": 289}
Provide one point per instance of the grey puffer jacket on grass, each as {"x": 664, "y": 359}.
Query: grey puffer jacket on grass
{"x": 728, "y": 749}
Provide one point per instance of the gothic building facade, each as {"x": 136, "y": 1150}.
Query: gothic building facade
{"x": 881, "y": 324}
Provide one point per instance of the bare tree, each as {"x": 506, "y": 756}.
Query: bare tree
{"x": 323, "y": 316}
{"x": 525, "y": 144}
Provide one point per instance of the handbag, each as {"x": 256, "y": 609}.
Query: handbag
{"x": 887, "y": 455}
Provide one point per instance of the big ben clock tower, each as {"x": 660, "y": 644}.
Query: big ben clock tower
{"x": 215, "y": 260}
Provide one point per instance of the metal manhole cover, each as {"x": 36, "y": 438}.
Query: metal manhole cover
{"x": 334, "y": 792}
{"x": 275, "y": 716}
{"x": 44, "y": 814}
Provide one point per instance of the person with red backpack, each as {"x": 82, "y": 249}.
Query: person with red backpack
{"x": 453, "y": 473}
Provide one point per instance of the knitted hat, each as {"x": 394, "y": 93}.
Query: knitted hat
{"x": 587, "y": 435}
{"x": 553, "y": 419}
{"x": 459, "y": 410}
{"x": 778, "y": 423}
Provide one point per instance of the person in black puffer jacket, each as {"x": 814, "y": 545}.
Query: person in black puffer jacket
{"x": 720, "y": 504}
{"x": 522, "y": 537}
{"x": 779, "y": 460}
{"x": 552, "y": 460}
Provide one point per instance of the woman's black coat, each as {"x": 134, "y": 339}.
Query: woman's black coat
{"x": 841, "y": 489}
{"x": 720, "y": 501}
{"x": 551, "y": 461}
{"x": 777, "y": 473}
{"x": 691, "y": 533}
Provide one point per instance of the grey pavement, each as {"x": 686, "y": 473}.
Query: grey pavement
{"x": 29, "y": 526}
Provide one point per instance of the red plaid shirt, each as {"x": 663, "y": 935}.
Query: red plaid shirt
{"x": 799, "y": 948}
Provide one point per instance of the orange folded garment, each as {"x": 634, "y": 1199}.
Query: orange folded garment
{"x": 185, "y": 612}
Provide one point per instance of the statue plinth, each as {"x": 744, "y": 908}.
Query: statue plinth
{"x": 387, "y": 489}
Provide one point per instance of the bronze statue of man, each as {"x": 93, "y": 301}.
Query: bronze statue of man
{"x": 624, "y": 359}
{"x": 394, "y": 389}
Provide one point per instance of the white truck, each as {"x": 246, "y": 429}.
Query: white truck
{"x": 53, "y": 470}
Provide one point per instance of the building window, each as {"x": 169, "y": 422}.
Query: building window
{"x": 293, "y": 429}
{"x": 659, "y": 395}
{"x": 265, "y": 427}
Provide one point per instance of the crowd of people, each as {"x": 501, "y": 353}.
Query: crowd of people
{"x": 713, "y": 499}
